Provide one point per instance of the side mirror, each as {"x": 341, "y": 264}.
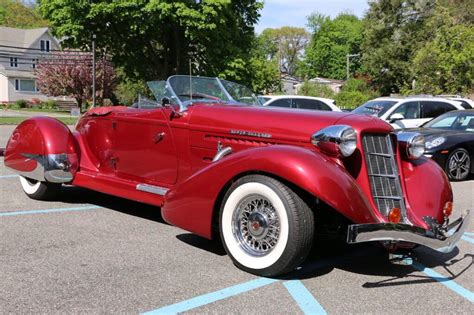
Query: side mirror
{"x": 165, "y": 101}
{"x": 396, "y": 117}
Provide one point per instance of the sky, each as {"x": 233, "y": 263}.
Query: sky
{"x": 278, "y": 13}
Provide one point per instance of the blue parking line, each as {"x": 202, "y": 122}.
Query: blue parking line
{"x": 450, "y": 284}
{"x": 212, "y": 297}
{"x": 8, "y": 176}
{"x": 468, "y": 239}
{"x": 469, "y": 233}
{"x": 15, "y": 213}
{"x": 306, "y": 301}
{"x": 248, "y": 286}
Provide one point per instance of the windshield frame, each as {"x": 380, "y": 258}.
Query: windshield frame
{"x": 184, "y": 104}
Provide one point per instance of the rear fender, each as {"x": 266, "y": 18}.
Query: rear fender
{"x": 43, "y": 149}
{"x": 190, "y": 205}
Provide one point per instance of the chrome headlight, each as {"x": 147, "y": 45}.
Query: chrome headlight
{"x": 435, "y": 142}
{"x": 412, "y": 143}
{"x": 337, "y": 139}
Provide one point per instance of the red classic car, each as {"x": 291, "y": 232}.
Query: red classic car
{"x": 265, "y": 180}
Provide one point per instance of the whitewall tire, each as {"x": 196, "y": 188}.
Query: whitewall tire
{"x": 266, "y": 228}
{"x": 39, "y": 190}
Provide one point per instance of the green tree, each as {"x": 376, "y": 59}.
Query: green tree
{"x": 331, "y": 41}
{"x": 445, "y": 63}
{"x": 152, "y": 39}
{"x": 394, "y": 30}
{"x": 13, "y": 13}
{"x": 286, "y": 44}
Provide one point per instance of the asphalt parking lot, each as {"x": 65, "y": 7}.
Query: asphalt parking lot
{"x": 94, "y": 253}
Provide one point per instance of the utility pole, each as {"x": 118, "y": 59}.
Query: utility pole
{"x": 348, "y": 56}
{"x": 93, "y": 70}
{"x": 93, "y": 64}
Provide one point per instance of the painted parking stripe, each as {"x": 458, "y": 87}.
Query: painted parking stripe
{"x": 450, "y": 284}
{"x": 469, "y": 233}
{"x": 8, "y": 176}
{"x": 24, "y": 212}
{"x": 248, "y": 286}
{"x": 467, "y": 239}
{"x": 306, "y": 301}
{"x": 212, "y": 297}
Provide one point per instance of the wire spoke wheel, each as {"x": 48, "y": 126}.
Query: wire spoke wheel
{"x": 256, "y": 225}
{"x": 265, "y": 227}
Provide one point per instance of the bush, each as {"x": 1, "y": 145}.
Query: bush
{"x": 20, "y": 104}
{"x": 317, "y": 90}
{"x": 352, "y": 99}
{"x": 354, "y": 93}
{"x": 49, "y": 104}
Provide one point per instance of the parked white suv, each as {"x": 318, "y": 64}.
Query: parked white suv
{"x": 299, "y": 101}
{"x": 409, "y": 112}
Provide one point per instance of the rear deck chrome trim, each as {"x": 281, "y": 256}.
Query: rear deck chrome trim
{"x": 157, "y": 190}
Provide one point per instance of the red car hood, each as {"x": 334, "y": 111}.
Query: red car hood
{"x": 281, "y": 123}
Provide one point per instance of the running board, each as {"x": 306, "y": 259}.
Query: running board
{"x": 152, "y": 189}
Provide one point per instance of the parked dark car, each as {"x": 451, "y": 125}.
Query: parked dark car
{"x": 450, "y": 142}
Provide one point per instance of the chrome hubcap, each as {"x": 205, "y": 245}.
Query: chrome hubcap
{"x": 256, "y": 225}
{"x": 459, "y": 164}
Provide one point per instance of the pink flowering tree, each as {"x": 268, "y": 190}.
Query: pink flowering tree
{"x": 70, "y": 74}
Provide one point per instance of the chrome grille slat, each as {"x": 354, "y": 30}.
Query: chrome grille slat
{"x": 383, "y": 173}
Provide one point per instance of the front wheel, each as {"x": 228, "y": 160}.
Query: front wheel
{"x": 458, "y": 165}
{"x": 39, "y": 190}
{"x": 266, "y": 228}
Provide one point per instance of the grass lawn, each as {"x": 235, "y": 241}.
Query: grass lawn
{"x": 17, "y": 120}
{"x": 42, "y": 110}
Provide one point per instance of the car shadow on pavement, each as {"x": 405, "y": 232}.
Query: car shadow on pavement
{"x": 372, "y": 259}
{"x": 211, "y": 246}
{"x": 78, "y": 195}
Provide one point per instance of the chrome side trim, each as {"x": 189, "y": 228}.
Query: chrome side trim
{"x": 157, "y": 190}
{"x": 54, "y": 168}
{"x": 221, "y": 153}
{"x": 438, "y": 240}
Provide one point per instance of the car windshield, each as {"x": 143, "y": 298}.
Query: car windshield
{"x": 184, "y": 90}
{"x": 374, "y": 108}
{"x": 453, "y": 121}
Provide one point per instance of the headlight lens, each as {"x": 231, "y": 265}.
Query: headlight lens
{"x": 435, "y": 142}
{"x": 416, "y": 147}
{"x": 336, "y": 140}
{"x": 348, "y": 142}
{"x": 412, "y": 143}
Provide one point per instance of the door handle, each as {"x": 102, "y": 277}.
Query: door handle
{"x": 159, "y": 136}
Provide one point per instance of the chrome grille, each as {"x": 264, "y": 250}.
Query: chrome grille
{"x": 383, "y": 173}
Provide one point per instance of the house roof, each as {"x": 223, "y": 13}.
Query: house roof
{"x": 17, "y": 37}
{"x": 17, "y": 74}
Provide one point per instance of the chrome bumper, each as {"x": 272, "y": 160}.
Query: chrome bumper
{"x": 441, "y": 240}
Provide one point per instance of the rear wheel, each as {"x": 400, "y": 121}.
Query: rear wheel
{"x": 266, "y": 228}
{"x": 39, "y": 190}
{"x": 458, "y": 165}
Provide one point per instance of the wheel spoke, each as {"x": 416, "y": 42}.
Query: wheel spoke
{"x": 256, "y": 225}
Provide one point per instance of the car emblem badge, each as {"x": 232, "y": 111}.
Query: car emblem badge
{"x": 250, "y": 133}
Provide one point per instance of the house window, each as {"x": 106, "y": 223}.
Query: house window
{"x": 24, "y": 85}
{"x": 34, "y": 62}
{"x": 44, "y": 45}
{"x": 14, "y": 62}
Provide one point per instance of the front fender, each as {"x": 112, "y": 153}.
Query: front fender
{"x": 190, "y": 204}
{"x": 43, "y": 149}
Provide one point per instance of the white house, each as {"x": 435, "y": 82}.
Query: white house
{"x": 20, "y": 51}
